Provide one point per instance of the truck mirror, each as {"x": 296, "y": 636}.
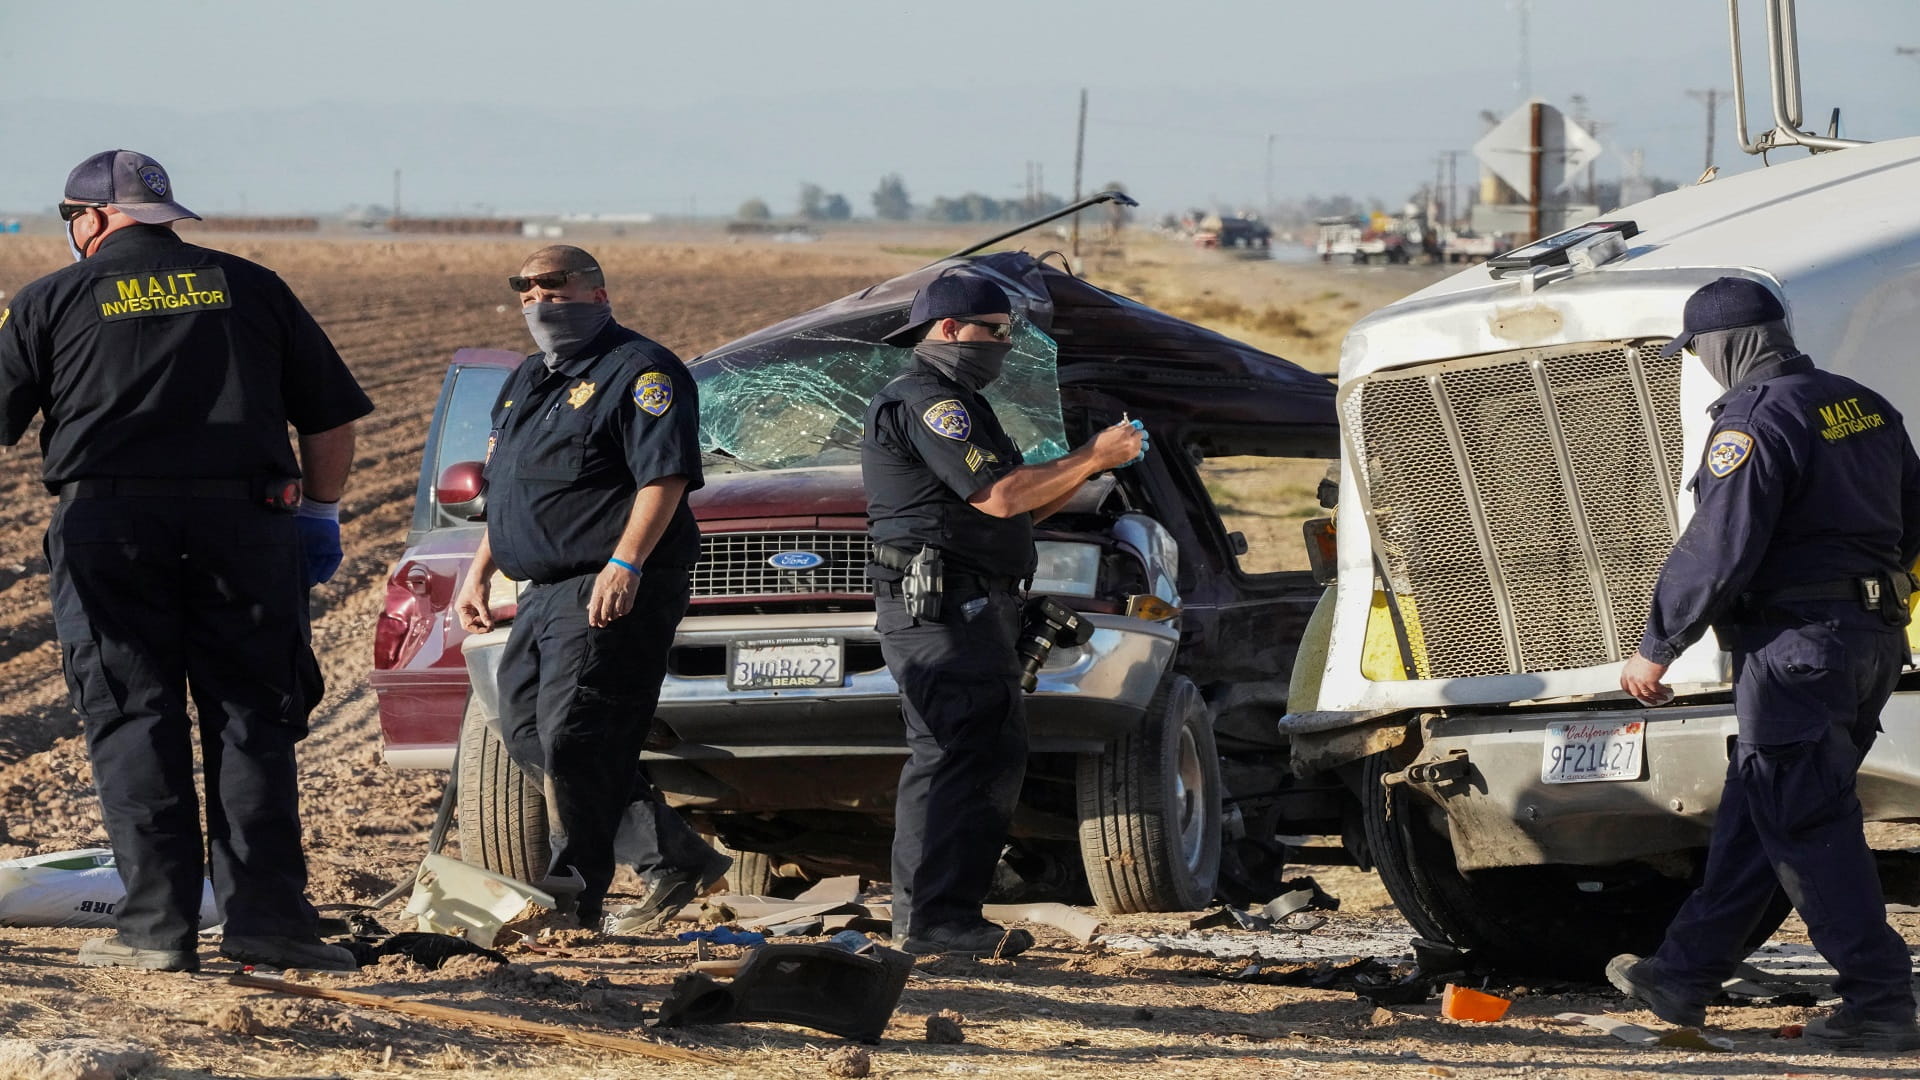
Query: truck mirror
{"x": 462, "y": 491}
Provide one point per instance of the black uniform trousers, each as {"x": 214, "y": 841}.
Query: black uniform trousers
{"x": 156, "y": 598}
{"x": 966, "y": 726}
{"x": 576, "y": 703}
{"x": 1789, "y": 817}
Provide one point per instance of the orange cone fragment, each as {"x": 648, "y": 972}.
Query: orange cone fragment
{"x": 1461, "y": 1003}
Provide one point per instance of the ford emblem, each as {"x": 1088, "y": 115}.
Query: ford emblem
{"x": 796, "y": 560}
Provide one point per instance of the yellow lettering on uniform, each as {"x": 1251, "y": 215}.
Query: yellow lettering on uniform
{"x": 188, "y": 278}
{"x": 1829, "y": 415}
{"x": 4, "y": 314}
{"x": 117, "y": 307}
{"x": 217, "y": 296}
{"x": 153, "y": 286}
{"x": 171, "y": 287}
{"x": 129, "y": 288}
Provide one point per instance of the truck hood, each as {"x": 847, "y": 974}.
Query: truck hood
{"x": 829, "y": 491}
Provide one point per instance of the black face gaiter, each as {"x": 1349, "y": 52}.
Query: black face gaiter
{"x": 972, "y": 364}
{"x": 1731, "y": 356}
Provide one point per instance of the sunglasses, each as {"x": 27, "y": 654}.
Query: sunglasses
{"x": 71, "y": 210}
{"x": 1002, "y": 331}
{"x": 552, "y": 279}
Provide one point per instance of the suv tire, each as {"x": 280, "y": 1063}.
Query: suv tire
{"x": 1531, "y": 919}
{"x": 1150, "y": 808}
{"x": 751, "y": 873}
{"x": 503, "y": 814}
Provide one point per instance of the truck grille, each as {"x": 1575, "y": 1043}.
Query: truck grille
{"x": 735, "y": 564}
{"x": 1521, "y": 503}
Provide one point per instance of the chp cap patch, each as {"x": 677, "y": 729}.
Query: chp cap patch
{"x": 653, "y": 392}
{"x": 1728, "y": 451}
{"x": 949, "y": 419}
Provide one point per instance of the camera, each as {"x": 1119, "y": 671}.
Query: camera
{"x": 1044, "y": 624}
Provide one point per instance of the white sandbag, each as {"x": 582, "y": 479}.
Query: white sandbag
{"x": 70, "y": 888}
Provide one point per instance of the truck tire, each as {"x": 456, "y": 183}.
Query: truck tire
{"x": 751, "y": 873}
{"x": 1150, "y": 809}
{"x": 1545, "y": 920}
{"x": 503, "y": 813}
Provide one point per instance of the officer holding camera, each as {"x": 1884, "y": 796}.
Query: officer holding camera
{"x": 950, "y": 510}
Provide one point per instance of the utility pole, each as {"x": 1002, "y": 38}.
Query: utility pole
{"x": 1266, "y": 212}
{"x": 1712, "y": 98}
{"x": 1535, "y": 153}
{"x": 1079, "y": 156}
{"x": 396, "y": 194}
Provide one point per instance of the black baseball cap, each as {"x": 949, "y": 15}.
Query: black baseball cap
{"x": 954, "y": 294}
{"x": 130, "y": 182}
{"x": 1723, "y": 304}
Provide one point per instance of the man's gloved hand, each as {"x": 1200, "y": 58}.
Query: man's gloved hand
{"x": 319, "y": 526}
{"x": 1146, "y": 438}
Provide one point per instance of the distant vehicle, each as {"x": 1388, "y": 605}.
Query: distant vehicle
{"x": 1467, "y": 246}
{"x": 1233, "y": 231}
{"x": 1358, "y": 240}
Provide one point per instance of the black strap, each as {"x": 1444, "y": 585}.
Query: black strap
{"x": 1843, "y": 589}
{"x": 162, "y": 487}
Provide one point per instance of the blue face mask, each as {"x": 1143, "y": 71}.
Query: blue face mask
{"x": 73, "y": 247}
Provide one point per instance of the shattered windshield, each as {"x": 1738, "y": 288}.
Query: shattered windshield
{"x": 799, "y": 401}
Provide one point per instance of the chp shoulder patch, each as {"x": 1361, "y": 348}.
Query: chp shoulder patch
{"x": 1728, "y": 451}
{"x": 653, "y": 392}
{"x": 949, "y": 419}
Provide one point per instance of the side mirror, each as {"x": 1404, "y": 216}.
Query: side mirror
{"x": 462, "y": 491}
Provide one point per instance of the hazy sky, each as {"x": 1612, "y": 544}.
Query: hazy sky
{"x": 589, "y": 105}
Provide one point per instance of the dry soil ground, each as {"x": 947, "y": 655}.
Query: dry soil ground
{"x": 397, "y": 310}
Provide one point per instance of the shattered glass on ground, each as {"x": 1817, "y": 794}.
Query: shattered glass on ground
{"x": 799, "y": 401}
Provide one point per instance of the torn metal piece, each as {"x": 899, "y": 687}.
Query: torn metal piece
{"x": 804, "y": 927}
{"x": 844, "y": 890}
{"x": 1632, "y": 1034}
{"x": 1230, "y": 918}
{"x": 817, "y": 986}
{"x": 1073, "y": 921}
{"x": 451, "y": 897}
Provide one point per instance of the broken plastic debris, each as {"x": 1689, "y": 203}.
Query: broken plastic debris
{"x": 1059, "y": 916}
{"x": 816, "y": 986}
{"x": 725, "y": 935}
{"x": 1464, "y": 1003}
{"x": 71, "y": 888}
{"x": 451, "y": 897}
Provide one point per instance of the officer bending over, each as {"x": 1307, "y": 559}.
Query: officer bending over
{"x": 181, "y": 553}
{"x": 595, "y": 446}
{"x": 1807, "y": 518}
{"x": 943, "y": 479}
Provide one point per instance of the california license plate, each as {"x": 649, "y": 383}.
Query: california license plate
{"x": 1578, "y": 751}
{"x": 785, "y": 662}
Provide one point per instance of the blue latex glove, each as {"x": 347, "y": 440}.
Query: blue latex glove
{"x": 319, "y": 543}
{"x": 1146, "y": 441}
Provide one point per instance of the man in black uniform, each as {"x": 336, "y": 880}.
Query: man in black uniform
{"x": 1807, "y": 517}
{"x": 941, "y": 474}
{"x": 595, "y": 446}
{"x": 181, "y": 553}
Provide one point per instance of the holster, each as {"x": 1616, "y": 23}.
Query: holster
{"x": 1898, "y": 594}
{"x": 923, "y": 583}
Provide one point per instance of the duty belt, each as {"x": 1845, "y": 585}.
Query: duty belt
{"x": 162, "y": 487}
{"x": 896, "y": 559}
{"x": 1883, "y": 594}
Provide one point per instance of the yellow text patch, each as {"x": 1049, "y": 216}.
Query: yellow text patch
{"x": 162, "y": 292}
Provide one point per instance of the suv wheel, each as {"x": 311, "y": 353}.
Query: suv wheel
{"x": 1150, "y": 809}
{"x": 1562, "y": 921}
{"x": 751, "y": 873}
{"x": 503, "y": 814}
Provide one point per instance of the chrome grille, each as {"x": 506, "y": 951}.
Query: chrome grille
{"x": 735, "y": 564}
{"x": 1522, "y": 503}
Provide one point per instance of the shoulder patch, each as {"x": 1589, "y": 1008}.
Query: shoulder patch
{"x": 653, "y": 392}
{"x": 1728, "y": 451}
{"x": 4, "y": 314}
{"x": 148, "y": 293}
{"x": 949, "y": 419}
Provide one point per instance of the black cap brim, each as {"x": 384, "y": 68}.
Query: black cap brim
{"x": 155, "y": 213}
{"x": 1677, "y": 345}
{"x": 909, "y": 335}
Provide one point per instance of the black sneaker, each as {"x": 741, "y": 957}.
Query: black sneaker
{"x": 670, "y": 890}
{"x": 112, "y": 952}
{"x": 1640, "y": 980}
{"x": 981, "y": 939}
{"x": 305, "y": 954}
{"x": 1843, "y": 1031}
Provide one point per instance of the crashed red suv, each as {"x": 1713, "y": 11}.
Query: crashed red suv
{"x": 1156, "y": 774}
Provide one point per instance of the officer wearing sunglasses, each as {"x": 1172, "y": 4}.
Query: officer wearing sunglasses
{"x": 950, "y": 510}
{"x": 182, "y": 550}
{"x": 595, "y": 446}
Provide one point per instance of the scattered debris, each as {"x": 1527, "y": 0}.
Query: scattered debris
{"x": 853, "y": 941}
{"x": 805, "y": 927}
{"x": 1691, "y": 1039}
{"x": 1079, "y": 924}
{"x": 841, "y": 890}
{"x": 853, "y": 1062}
{"x": 430, "y": 951}
{"x": 725, "y": 935}
{"x": 824, "y": 987}
{"x": 1790, "y": 1031}
{"x": 237, "y": 1019}
{"x": 1631, "y": 1034}
{"x": 473, "y": 1017}
{"x": 451, "y": 897}
{"x": 71, "y": 888}
{"x": 944, "y": 1027}
{"x": 1465, "y": 1003}
{"x": 72, "y": 1059}
{"x": 1298, "y": 894}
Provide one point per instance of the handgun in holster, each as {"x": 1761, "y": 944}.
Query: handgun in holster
{"x": 921, "y": 584}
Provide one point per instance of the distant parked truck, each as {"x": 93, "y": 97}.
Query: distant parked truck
{"x": 1354, "y": 238}
{"x": 1468, "y": 246}
{"x": 1237, "y": 231}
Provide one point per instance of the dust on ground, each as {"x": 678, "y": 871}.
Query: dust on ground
{"x": 397, "y": 308}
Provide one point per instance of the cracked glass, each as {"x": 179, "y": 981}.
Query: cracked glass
{"x": 799, "y": 401}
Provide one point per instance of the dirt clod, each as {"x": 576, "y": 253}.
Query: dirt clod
{"x": 944, "y": 1027}
{"x": 71, "y": 1059}
{"x": 850, "y": 1061}
{"x": 237, "y": 1019}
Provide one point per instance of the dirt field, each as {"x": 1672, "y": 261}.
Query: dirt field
{"x": 397, "y": 310}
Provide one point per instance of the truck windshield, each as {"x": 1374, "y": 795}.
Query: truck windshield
{"x": 799, "y": 400}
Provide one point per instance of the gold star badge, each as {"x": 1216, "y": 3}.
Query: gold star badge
{"x": 578, "y": 396}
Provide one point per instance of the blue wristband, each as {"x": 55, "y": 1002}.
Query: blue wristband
{"x": 624, "y": 565}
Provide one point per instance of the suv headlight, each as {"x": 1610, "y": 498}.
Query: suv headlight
{"x": 1066, "y": 569}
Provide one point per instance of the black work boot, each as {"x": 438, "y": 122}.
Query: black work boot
{"x": 981, "y": 939}
{"x": 304, "y": 953}
{"x": 113, "y": 952}
{"x": 1640, "y": 980}
{"x": 1841, "y": 1030}
{"x": 670, "y": 890}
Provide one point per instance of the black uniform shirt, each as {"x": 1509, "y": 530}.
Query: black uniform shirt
{"x": 1809, "y": 477}
{"x": 928, "y": 446}
{"x": 570, "y": 448}
{"x": 157, "y": 358}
